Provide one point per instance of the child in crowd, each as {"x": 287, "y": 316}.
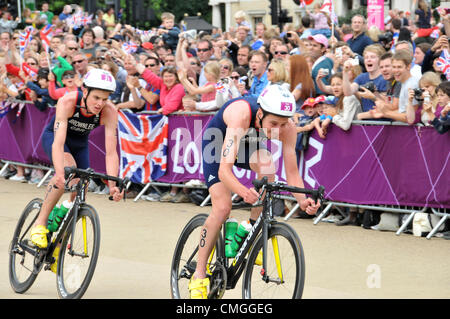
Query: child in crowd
{"x": 169, "y": 31}
{"x": 207, "y": 91}
{"x": 70, "y": 81}
{"x": 241, "y": 22}
{"x": 42, "y": 100}
{"x": 428, "y": 83}
{"x": 324, "y": 119}
{"x": 320, "y": 21}
{"x": 305, "y": 124}
{"x": 344, "y": 108}
{"x": 441, "y": 121}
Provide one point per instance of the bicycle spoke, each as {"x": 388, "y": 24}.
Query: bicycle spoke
{"x": 283, "y": 276}
{"x": 78, "y": 256}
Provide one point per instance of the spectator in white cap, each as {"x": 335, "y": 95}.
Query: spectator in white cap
{"x": 319, "y": 45}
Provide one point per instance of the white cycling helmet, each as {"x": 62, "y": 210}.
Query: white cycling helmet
{"x": 100, "y": 79}
{"x": 277, "y": 100}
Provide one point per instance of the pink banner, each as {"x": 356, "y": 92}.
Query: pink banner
{"x": 375, "y": 13}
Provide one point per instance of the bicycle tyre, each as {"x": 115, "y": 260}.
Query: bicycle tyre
{"x": 186, "y": 246}
{"x": 70, "y": 284}
{"x": 292, "y": 261}
{"x": 24, "y": 224}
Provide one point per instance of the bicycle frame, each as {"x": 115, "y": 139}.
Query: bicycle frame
{"x": 262, "y": 224}
{"x": 70, "y": 221}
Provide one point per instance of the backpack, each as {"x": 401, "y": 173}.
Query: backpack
{"x": 225, "y": 91}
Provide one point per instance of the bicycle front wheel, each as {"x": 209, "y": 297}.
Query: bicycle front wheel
{"x": 22, "y": 262}
{"x": 185, "y": 256}
{"x": 78, "y": 257}
{"x": 284, "y": 275}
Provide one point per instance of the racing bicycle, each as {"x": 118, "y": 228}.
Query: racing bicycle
{"x": 78, "y": 238}
{"x": 282, "y": 272}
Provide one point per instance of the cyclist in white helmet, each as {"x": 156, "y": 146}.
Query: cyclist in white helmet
{"x": 240, "y": 130}
{"x": 65, "y": 140}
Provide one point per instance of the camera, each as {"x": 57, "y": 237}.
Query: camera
{"x": 369, "y": 85}
{"x": 386, "y": 39}
{"x": 418, "y": 94}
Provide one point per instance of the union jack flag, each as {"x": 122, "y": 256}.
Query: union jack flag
{"x": 143, "y": 141}
{"x": 129, "y": 47}
{"x": 29, "y": 71}
{"x": 25, "y": 38}
{"x": 46, "y": 35}
{"x": 443, "y": 63}
{"x": 328, "y": 7}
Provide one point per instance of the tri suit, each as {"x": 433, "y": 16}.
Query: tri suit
{"x": 213, "y": 139}
{"x": 78, "y": 128}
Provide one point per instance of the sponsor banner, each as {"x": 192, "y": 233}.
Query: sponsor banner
{"x": 380, "y": 164}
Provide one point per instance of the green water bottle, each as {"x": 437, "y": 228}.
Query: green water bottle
{"x": 57, "y": 215}
{"x": 231, "y": 226}
{"x": 238, "y": 239}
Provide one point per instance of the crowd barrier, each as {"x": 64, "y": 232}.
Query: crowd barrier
{"x": 397, "y": 168}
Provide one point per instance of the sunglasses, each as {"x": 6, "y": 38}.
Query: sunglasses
{"x": 79, "y": 61}
{"x": 68, "y": 76}
{"x": 203, "y": 50}
{"x": 72, "y": 48}
{"x": 235, "y": 77}
{"x": 281, "y": 52}
{"x": 31, "y": 63}
{"x": 150, "y": 65}
{"x": 226, "y": 67}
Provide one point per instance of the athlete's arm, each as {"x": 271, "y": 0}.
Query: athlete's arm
{"x": 109, "y": 120}
{"x": 64, "y": 109}
{"x": 288, "y": 137}
{"x": 237, "y": 116}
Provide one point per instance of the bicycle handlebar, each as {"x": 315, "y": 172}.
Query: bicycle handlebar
{"x": 279, "y": 187}
{"x": 90, "y": 173}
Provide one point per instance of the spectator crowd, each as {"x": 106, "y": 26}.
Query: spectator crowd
{"x": 337, "y": 74}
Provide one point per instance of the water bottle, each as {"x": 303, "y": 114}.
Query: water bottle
{"x": 58, "y": 215}
{"x": 238, "y": 239}
{"x": 231, "y": 226}
{"x": 52, "y": 215}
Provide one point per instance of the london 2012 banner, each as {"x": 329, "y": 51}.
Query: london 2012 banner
{"x": 368, "y": 164}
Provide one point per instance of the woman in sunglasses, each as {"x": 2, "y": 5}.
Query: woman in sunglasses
{"x": 69, "y": 79}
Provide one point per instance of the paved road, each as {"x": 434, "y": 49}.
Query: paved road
{"x": 138, "y": 239}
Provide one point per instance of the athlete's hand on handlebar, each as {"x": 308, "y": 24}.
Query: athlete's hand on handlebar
{"x": 115, "y": 193}
{"x": 251, "y": 196}
{"x": 309, "y": 206}
{"x": 59, "y": 181}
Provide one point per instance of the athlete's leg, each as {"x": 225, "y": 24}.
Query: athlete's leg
{"x": 221, "y": 207}
{"x": 52, "y": 196}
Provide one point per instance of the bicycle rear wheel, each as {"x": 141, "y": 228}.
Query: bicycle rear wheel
{"x": 76, "y": 264}
{"x": 285, "y": 274}
{"x": 185, "y": 256}
{"x": 22, "y": 268}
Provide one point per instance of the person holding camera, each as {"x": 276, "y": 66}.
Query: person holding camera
{"x": 319, "y": 45}
{"x": 427, "y": 98}
{"x": 366, "y": 83}
{"x": 393, "y": 88}
{"x": 401, "y": 63}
